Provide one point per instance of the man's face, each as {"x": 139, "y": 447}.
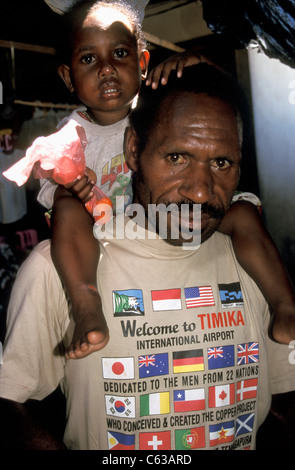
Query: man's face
{"x": 106, "y": 67}
{"x": 192, "y": 156}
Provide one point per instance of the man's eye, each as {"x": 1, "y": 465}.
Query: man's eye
{"x": 87, "y": 59}
{"x": 176, "y": 158}
{"x": 120, "y": 53}
{"x": 221, "y": 163}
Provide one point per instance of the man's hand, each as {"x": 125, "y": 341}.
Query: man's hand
{"x": 161, "y": 72}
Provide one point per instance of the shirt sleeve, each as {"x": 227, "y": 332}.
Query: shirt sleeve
{"x": 33, "y": 360}
{"x": 46, "y": 194}
{"x": 249, "y": 197}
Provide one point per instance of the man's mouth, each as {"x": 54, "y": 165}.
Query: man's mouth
{"x": 191, "y": 218}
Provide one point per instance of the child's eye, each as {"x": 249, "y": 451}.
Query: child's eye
{"x": 87, "y": 59}
{"x": 120, "y": 53}
{"x": 221, "y": 163}
{"x": 176, "y": 158}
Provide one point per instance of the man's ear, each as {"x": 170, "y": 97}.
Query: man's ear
{"x": 144, "y": 63}
{"x": 131, "y": 153}
{"x": 64, "y": 72}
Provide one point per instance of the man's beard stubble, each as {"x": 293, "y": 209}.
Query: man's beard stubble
{"x": 207, "y": 210}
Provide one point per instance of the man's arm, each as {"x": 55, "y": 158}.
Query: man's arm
{"x": 33, "y": 361}
{"x": 22, "y": 427}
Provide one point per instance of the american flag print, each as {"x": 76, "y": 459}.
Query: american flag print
{"x": 198, "y": 296}
{"x": 248, "y": 353}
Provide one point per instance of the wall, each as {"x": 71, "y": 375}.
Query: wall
{"x": 273, "y": 100}
{"x": 177, "y": 23}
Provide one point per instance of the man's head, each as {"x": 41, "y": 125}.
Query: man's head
{"x": 184, "y": 145}
{"x": 104, "y": 57}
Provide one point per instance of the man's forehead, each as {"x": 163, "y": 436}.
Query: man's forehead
{"x": 196, "y": 113}
{"x": 203, "y": 105}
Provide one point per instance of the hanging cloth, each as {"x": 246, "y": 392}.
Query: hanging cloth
{"x": 268, "y": 24}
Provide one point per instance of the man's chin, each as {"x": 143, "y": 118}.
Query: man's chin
{"x": 209, "y": 229}
{"x": 187, "y": 240}
{"x": 192, "y": 239}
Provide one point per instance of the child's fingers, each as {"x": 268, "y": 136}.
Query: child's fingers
{"x": 82, "y": 188}
{"x": 86, "y": 194}
{"x": 167, "y": 70}
{"x": 160, "y": 73}
{"x": 154, "y": 76}
{"x": 91, "y": 174}
{"x": 80, "y": 180}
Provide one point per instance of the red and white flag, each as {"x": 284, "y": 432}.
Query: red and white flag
{"x": 221, "y": 395}
{"x": 118, "y": 367}
{"x": 247, "y": 389}
{"x": 169, "y": 299}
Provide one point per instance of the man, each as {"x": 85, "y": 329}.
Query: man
{"x": 187, "y": 369}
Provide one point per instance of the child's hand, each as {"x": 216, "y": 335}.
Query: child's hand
{"x": 82, "y": 186}
{"x": 176, "y": 62}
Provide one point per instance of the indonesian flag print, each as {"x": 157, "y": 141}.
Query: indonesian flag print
{"x": 169, "y": 299}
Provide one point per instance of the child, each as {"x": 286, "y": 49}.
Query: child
{"x": 104, "y": 61}
{"x": 105, "y": 68}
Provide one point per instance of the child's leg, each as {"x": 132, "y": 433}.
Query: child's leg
{"x": 258, "y": 255}
{"x": 75, "y": 253}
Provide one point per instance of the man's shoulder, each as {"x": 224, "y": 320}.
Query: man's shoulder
{"x": 43, "y": 248}
{"x": 220, "y": 241}
{"x": 39, "y": 256}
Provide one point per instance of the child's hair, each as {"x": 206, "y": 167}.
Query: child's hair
{"x": 76, "y": 14}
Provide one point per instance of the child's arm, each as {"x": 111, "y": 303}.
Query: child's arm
{"x": 176, "y": 62}
{"x": 258, "y": 255}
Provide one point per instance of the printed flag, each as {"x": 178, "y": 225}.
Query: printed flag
{"x": 247, "y": 389}
{"x": 244, "y": 424}
{"x": 153, "y": 365}
{"x": 166, "y": 299}
{"x": 154, "y": 440}
{"x": 198, "y": 296}
{"x": 221, "y": 395}
{"x": 120, "y": 406}
{"x": 248, "y": 353}
{"x": 221, "y": 433}
{"x": 222, "y": 356}
{"x": 127, "y": 303}
{"x": 155, "y": 404}
{"x": 188, "y": 361}
{"x": 119, "y": 441}
{"x": 118, "y": 367}
{"x": 190, "y": 438}
{"x": 231, "y": 294}
{"x": 189, "y": 400}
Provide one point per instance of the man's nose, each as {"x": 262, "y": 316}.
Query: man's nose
{"x": 197, "y": 184}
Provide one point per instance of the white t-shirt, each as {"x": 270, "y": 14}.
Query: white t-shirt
{"x": 104, "y": 155}
{"x": 186, "y": 366}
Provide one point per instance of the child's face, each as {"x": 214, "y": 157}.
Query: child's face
{"x": 106, "y": 69}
